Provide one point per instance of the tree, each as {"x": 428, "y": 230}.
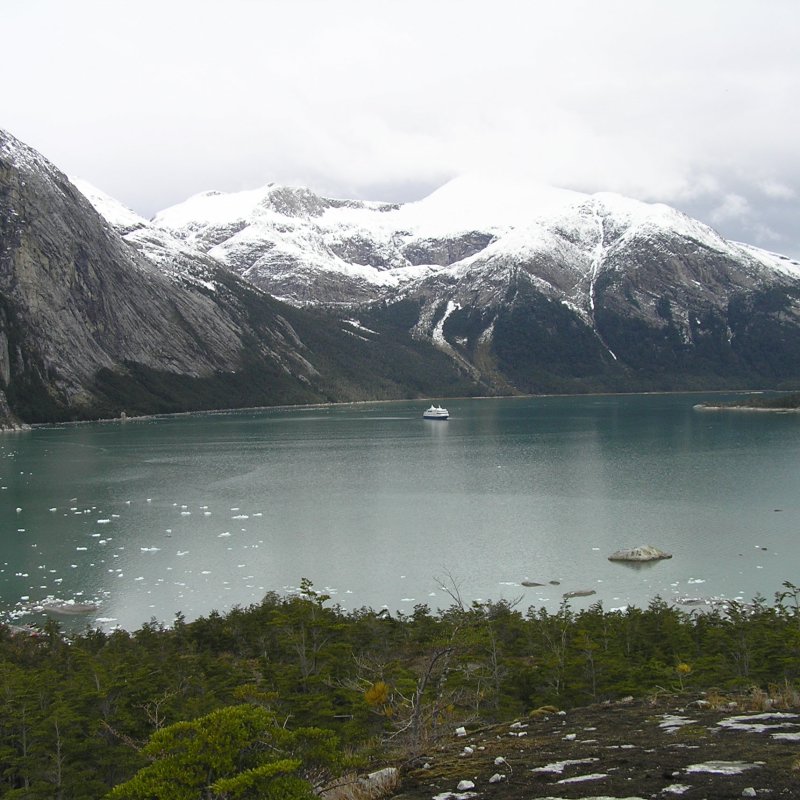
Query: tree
{"x": 233, "y": 752}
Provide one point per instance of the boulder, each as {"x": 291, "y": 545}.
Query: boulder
{"x": 643, "y": 553}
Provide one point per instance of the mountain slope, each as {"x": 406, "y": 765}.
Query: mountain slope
{"x": 526, "y": 288}
{"x": 92, "y": 324}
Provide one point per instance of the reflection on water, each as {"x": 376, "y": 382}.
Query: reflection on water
{"x": 372, "y": 503}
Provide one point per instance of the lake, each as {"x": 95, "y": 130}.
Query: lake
{"x": 381, "y": 508}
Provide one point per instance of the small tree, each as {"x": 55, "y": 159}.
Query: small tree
{"x": 234, "y": 752}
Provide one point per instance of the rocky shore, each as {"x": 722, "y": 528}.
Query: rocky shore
{"x": 708, "y": 747}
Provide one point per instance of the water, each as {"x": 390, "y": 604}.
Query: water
{"x": 381, "y": 508}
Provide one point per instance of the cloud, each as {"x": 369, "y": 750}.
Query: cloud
{"x": 733, "y": 207}
{"x": 777, "y": 190}
{"x": 685, "y": 103}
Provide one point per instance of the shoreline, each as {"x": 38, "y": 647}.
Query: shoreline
{"x": 236, "y": 410}
{"x": 704, "y": 407}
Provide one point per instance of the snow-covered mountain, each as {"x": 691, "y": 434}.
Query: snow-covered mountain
{"x": 485, "y": 286}
{"x": 305, "y": 248}
{"x": 655, "y": 298}
{"x": 93, "y": 324}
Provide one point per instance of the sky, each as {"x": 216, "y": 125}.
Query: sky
{"x": 694, "y": 103}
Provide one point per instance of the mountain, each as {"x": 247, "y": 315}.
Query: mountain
{"x": 93, "y": 324}
{"x": 527, "y": 288}
{"x": 278, "y": 295}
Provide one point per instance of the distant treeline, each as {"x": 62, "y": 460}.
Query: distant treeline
{"x": 267, "y": 700}
{"x": 783, "y": 401}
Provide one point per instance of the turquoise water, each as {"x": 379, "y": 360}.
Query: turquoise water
{"x": 379, "y": 507}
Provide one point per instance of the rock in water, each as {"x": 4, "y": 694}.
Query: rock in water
{"x": 643, "y": 553}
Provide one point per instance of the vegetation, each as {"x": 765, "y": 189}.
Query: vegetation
{"x": 274, "y": 699}
{"x": 769, "y": 401}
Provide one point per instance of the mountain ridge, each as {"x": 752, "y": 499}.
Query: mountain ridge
{"x": 278, "y": 295}
{"x": 93, "y": 324}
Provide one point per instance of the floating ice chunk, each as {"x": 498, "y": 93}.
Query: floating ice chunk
{"x": 53, "y": 509}
{"x": 103, "y": 521}
{"x": 81, "y": 548}
{"x": 224, "y": 534}
{"x": 149, "y": 549}
{"x": 241, "y": 516}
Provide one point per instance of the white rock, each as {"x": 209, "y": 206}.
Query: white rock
{"x": 464, "y": 786}
{"x": 496, "y": 778}
{"x": 462, "y": 731}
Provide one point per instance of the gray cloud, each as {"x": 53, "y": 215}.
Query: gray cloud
{"x": 688, "y": 103}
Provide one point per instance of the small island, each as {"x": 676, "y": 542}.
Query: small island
{"x": 769, "y": 402}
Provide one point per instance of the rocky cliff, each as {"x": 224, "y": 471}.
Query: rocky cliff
{"x": 92, "y": 324}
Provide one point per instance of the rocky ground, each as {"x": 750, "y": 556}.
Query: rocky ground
{"x": 660, "y": 748}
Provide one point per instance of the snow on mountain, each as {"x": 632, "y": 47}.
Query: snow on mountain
{"x": 470, "y": 233}
{"x": 115, "y": 213}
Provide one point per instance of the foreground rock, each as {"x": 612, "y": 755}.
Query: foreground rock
{"x": 643, "y": 553}
{"x": 640, "y": 750}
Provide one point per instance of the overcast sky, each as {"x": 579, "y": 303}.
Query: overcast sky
{"x": 693, "y": 103}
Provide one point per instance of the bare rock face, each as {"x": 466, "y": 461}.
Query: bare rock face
{"x": 93, "y": 325}
{"x": 76, "y": 298}
{"x": 642, "y": 553}
{"x": 101, "y": 315}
